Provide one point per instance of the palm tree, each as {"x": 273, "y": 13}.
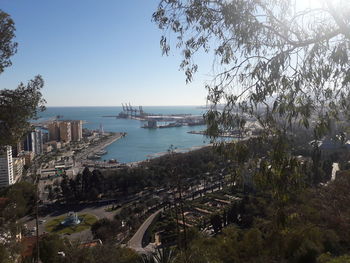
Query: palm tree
{"x": 164, "y": 255}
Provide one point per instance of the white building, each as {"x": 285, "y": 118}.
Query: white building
{"x": 18, "y": 167}
{"x": 33, "y": 142}
{"x": 6, "y": 167}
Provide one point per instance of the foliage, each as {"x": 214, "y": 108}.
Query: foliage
{"x": 106, "y": 229}
{"x": 100, "y": 254}
{"x": 21, "y": 198}
{"x": 4, "y": 255}
{"x": 327, "y": 258}
{"x": 277, "y": 61}
{"x": 22, "y": 104}
{"x": 8, "y": 46}
{"x": 127, "y": 181}
{"x": 163, "y": 255}
{"x": 17, "y": 108}
{"x": 49, "y": 247}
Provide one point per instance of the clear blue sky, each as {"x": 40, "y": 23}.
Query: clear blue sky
{"x": 97, "y": 53}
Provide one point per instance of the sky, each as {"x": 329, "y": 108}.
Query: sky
{"x": 98, "y": 53}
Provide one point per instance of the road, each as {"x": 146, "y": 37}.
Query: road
{"x": 135, "y": 242}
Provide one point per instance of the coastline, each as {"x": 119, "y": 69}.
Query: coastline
{"x": 139, "y": 142}
{"x": 114, "y": 136}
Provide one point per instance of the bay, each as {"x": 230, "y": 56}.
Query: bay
{"x": 139, "y": 144}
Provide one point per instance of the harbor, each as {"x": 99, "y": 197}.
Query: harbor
{"x": 139, "y": 142}
{"x": 155, "y": 121}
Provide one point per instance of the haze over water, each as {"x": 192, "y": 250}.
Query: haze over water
{"x": 140, "y": 143}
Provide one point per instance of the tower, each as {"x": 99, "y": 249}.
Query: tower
{"x": 6, "y": 167}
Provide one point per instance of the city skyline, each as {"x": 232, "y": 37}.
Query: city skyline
{"x": 98, "y": 55}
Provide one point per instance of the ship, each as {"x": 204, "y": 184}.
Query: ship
{"x": 170, "y": 125}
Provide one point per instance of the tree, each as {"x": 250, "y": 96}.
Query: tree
{"x": 216, "y": 222}
{"x": 17, "y": 108}
{"x": 275, "y": 60}
{"x": 101, "y": 254}
{"x": 8, "y": 46}
{"x": 21, "y": 198}
{"x": 49, "y": 247}
{"x": 4, "y": 254}
{"x": 106, "y": 229}
{"x": 164, "y": 255}
{"x": 20, "y": 105}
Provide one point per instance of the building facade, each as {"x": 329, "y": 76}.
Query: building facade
{"x": 6, "y": 167}
{"x": 28, "y": 157}
{"x": 29, "y": 142}
{"x": 65, "y": 131}
{"x": 33, "y": 142}
{"x": 54, "y": 131}
{"x": 18, "y": 167}
{"x": 77, "y": 130}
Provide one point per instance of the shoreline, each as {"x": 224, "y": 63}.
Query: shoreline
{"x": 161, "y": 154}
{"x": 114, "y": 136}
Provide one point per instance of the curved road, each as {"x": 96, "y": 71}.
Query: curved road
{"x": 135, "y": 242}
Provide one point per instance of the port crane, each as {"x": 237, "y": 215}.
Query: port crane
{"x": 129, "y": 110}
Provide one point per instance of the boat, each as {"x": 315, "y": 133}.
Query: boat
{"x": 100, "y": 153}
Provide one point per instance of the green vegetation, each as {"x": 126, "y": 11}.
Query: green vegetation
{"x": 129, "y": 181}
{"x": 106, "y": 230}
{"x": 54, "y": 225}
{"x": 74, "y": 252}
{"x": 277, "y": 63}
{"x": 16, "y": 201}
{"x": 49, "y": 247}
{"x": 17, "y": 106}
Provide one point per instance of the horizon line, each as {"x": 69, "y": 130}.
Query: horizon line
{"x": 66, "y": 106}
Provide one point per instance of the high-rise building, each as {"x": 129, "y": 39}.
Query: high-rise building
{"x": 65, "y": 131}
{"x": 45, "y": 137}
{"x": 77, "y": 130}
{"x": 29, "y": 142}
{"x": 38, "y": 137}
{"x": 54, "y": 131}
{"x": 33, "y": 142}
{"x": 18, "y": 166}
{"x": 16, "y": 149}
{"x": 6, "y": 167}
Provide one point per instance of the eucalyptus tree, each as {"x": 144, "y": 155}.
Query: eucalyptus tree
{"x": 274, "y": 60}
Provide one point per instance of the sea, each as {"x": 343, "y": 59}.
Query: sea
{"x": 139, "y": 144}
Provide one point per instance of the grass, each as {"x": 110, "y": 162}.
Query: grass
{"x": 54, "y": 225}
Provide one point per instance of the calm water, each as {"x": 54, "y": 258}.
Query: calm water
{"x": 139, "y": 144}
